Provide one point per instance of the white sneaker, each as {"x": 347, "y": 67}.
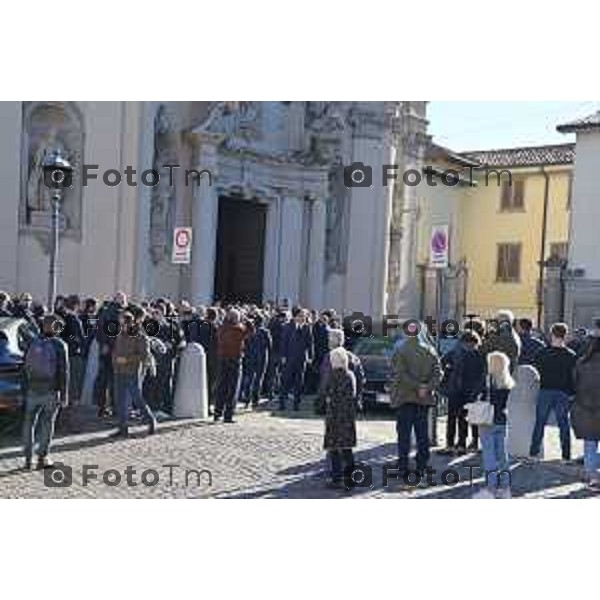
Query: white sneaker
{"x": 483, "y": 494}
{"x": 503, "y": 494}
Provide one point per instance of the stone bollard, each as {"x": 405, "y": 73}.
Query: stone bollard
{"x": 191, "y": 393}
{"x": 91, "y": 372}
{"x": 521, "y": 411}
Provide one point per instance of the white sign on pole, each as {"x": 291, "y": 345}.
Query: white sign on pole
{"x": 182, "y": 246}
{"x": 438, "y": 247}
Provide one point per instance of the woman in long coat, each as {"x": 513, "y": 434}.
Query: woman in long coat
{"x": 585, "y": 415}
{"x": 339, "y": 398}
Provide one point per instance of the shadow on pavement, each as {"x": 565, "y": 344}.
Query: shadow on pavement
{"x": 310, "y": 479}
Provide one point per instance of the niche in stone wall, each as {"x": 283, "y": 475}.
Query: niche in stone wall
{"x": 50, "y": 126}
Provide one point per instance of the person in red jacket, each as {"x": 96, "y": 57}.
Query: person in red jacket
{"x": 231, "y": 338}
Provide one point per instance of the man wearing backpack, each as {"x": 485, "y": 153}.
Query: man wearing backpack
{"x": 46, "y": 385}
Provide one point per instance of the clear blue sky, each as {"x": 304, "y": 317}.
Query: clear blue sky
{"x": 484, "y": 125}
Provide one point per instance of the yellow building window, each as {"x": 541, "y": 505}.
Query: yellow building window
{"x": 508, "y": 269}
{"x": 512, "y": 195}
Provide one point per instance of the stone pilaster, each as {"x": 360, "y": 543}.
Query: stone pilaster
{"x": 205, "y": 213}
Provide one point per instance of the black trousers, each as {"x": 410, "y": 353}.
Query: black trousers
{"x": 104, "y": 384}
{"x": 411, "y": 417}
{"x": 339, "y": 462}
{"x": 457, "y": 415}
{"x": 272, "y": 381}
{"x": 230, "y": 370}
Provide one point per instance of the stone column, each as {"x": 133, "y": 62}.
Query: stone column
{"x": 316, "y": 256}
{"x": 290, "y": 247}
{"x": 407, "y": 282}
{"x": 366, "y": 274}
{"x": 205, "y": 212}
{"x": 410, "y": 129}
{"x": 11, "y": 118}
{"x": 553, "y": 295}
{"x": 143, "y": 266}
{"x": 270, "y": 277}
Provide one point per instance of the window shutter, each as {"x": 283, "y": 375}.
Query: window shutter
{"x": 509, "y": 263}
{"x": 518, "y": 194}
{"x": 501, "y": 265}
{"x": 514, "y": 262}
{"x": 505, "y": 192}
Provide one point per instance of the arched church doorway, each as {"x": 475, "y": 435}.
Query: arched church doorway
{"x": 240, "y": 253}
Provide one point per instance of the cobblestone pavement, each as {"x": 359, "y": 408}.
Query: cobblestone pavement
{"x": 262, "y": 455}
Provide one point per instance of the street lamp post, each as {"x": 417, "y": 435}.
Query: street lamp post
{"x": 58, "y": 175}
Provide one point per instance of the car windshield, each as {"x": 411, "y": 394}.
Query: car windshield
{"x": 374, "y": 346}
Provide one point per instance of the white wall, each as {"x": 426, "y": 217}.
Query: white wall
{"x": 585, "y": 215}
{"x": 105, "y": 259}
{"x": 438, "y": 205}
{"x": 10, "y": 152}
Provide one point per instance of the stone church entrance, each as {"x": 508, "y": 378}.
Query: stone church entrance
{"x": 239, "y": 264}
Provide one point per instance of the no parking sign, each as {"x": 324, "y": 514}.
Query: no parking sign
{"x": 438, "y": 247}
{"x": 182, "y": 246}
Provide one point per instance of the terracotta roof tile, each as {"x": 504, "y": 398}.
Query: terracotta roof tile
{"x": 555, "y": 154}
{"x": 586, "y": 123}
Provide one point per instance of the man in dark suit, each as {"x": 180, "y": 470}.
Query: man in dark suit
{"x": 296, "y": 354}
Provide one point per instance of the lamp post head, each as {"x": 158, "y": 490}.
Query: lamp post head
{"x": 58, "y": 171}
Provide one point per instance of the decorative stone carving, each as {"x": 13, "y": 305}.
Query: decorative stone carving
{"x": 50, "y": 126}
{"x": 238, "y": 121}
{"x": 326, "y": 125}
{"x": 366, "y": 121}
{"x": 338, "y": 215}
{"x": 162, "y": 202}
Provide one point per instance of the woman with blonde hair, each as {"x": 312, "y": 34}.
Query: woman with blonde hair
{"x": 494, "y": 457}
{"x": 339, "y": 398}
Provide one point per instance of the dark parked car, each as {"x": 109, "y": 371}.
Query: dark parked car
{"x": 375, "y": 354}
{"x": 15, "y": 337}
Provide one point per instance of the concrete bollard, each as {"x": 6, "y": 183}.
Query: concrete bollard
{"x": 521, "y": 411}
{"x": 191, "y": 393}
{"x": 91, "y": 372}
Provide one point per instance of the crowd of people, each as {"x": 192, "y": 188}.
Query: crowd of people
{"x": 560, "y": 372}
{"x": 124, "y": 356}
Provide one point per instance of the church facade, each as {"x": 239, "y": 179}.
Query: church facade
{"x": 274, "y": 221}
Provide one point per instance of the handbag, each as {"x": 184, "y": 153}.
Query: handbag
{"x": 481, "y": 412}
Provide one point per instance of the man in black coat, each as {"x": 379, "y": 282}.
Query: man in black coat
{"x": 273, "y": 378}
{"x": 106, "y": 332}
{"x": 73, "y": 335}
{"x": 296, "y": 353}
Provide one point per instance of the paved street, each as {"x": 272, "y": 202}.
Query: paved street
{"x": 263, "y": 455}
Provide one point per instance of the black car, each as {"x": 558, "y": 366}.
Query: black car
{"x": 375, "y": 353}
{"x": 15, "y": 336}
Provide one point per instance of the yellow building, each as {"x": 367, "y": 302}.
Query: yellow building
{"x": 497, "y": 227}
